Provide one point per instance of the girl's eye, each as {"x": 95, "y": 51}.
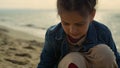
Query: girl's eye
{"x": 64, "y": 23}
{"x": 77, "y": 24}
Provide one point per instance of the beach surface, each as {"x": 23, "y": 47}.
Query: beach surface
{"x": 18, "y": 49}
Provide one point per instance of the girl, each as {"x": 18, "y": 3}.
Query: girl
{"x": 78, "y": 41}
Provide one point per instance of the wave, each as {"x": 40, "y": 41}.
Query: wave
{"x": 34, "y": 26}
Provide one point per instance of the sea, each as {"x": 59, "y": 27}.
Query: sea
{"x": 36, "y": 22}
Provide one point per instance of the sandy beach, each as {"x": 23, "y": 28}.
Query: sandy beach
{"x": 18, "y": 49}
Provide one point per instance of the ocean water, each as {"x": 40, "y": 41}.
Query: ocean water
{"x": 36, "y": 22}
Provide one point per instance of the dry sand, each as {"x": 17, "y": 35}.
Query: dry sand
{"x": 18, "y": 49}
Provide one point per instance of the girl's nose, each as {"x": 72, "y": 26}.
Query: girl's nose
{"x": 73, "y": 29}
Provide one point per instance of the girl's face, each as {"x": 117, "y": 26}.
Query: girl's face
{"x": 75, "y": 25}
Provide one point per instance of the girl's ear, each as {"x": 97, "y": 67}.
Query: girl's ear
{"x": 92, "y": 15}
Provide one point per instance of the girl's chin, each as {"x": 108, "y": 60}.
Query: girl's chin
{"x": 75, "y": 37}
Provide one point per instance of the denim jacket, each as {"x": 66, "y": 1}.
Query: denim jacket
{"x": 56, "y": 46}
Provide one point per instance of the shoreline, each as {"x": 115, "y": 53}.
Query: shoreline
{"x": 20, "y": 34}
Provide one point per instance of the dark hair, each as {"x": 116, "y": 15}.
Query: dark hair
{"x": 82, "y": 6}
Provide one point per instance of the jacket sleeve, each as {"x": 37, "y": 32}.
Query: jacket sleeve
{"x": 47, "y": 58}
{"x": 113, "y": 47}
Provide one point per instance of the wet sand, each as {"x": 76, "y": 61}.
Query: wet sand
{"x": 18, "y": 49}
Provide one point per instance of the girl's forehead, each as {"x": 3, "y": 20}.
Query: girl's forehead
{"x": 74, "y": 18}
{"x": 74, "y": 14}
{"x": 71, "y": 16}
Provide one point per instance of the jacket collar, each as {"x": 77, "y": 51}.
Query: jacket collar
{"x": 91, "y": 38}
{"x": 91, "y": 34}
{"x": 60, "y": 34}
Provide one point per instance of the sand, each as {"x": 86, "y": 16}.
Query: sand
{"x": 18, "y": 49}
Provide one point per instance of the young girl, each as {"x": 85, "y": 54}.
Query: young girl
{"x": 78, "y": 41}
